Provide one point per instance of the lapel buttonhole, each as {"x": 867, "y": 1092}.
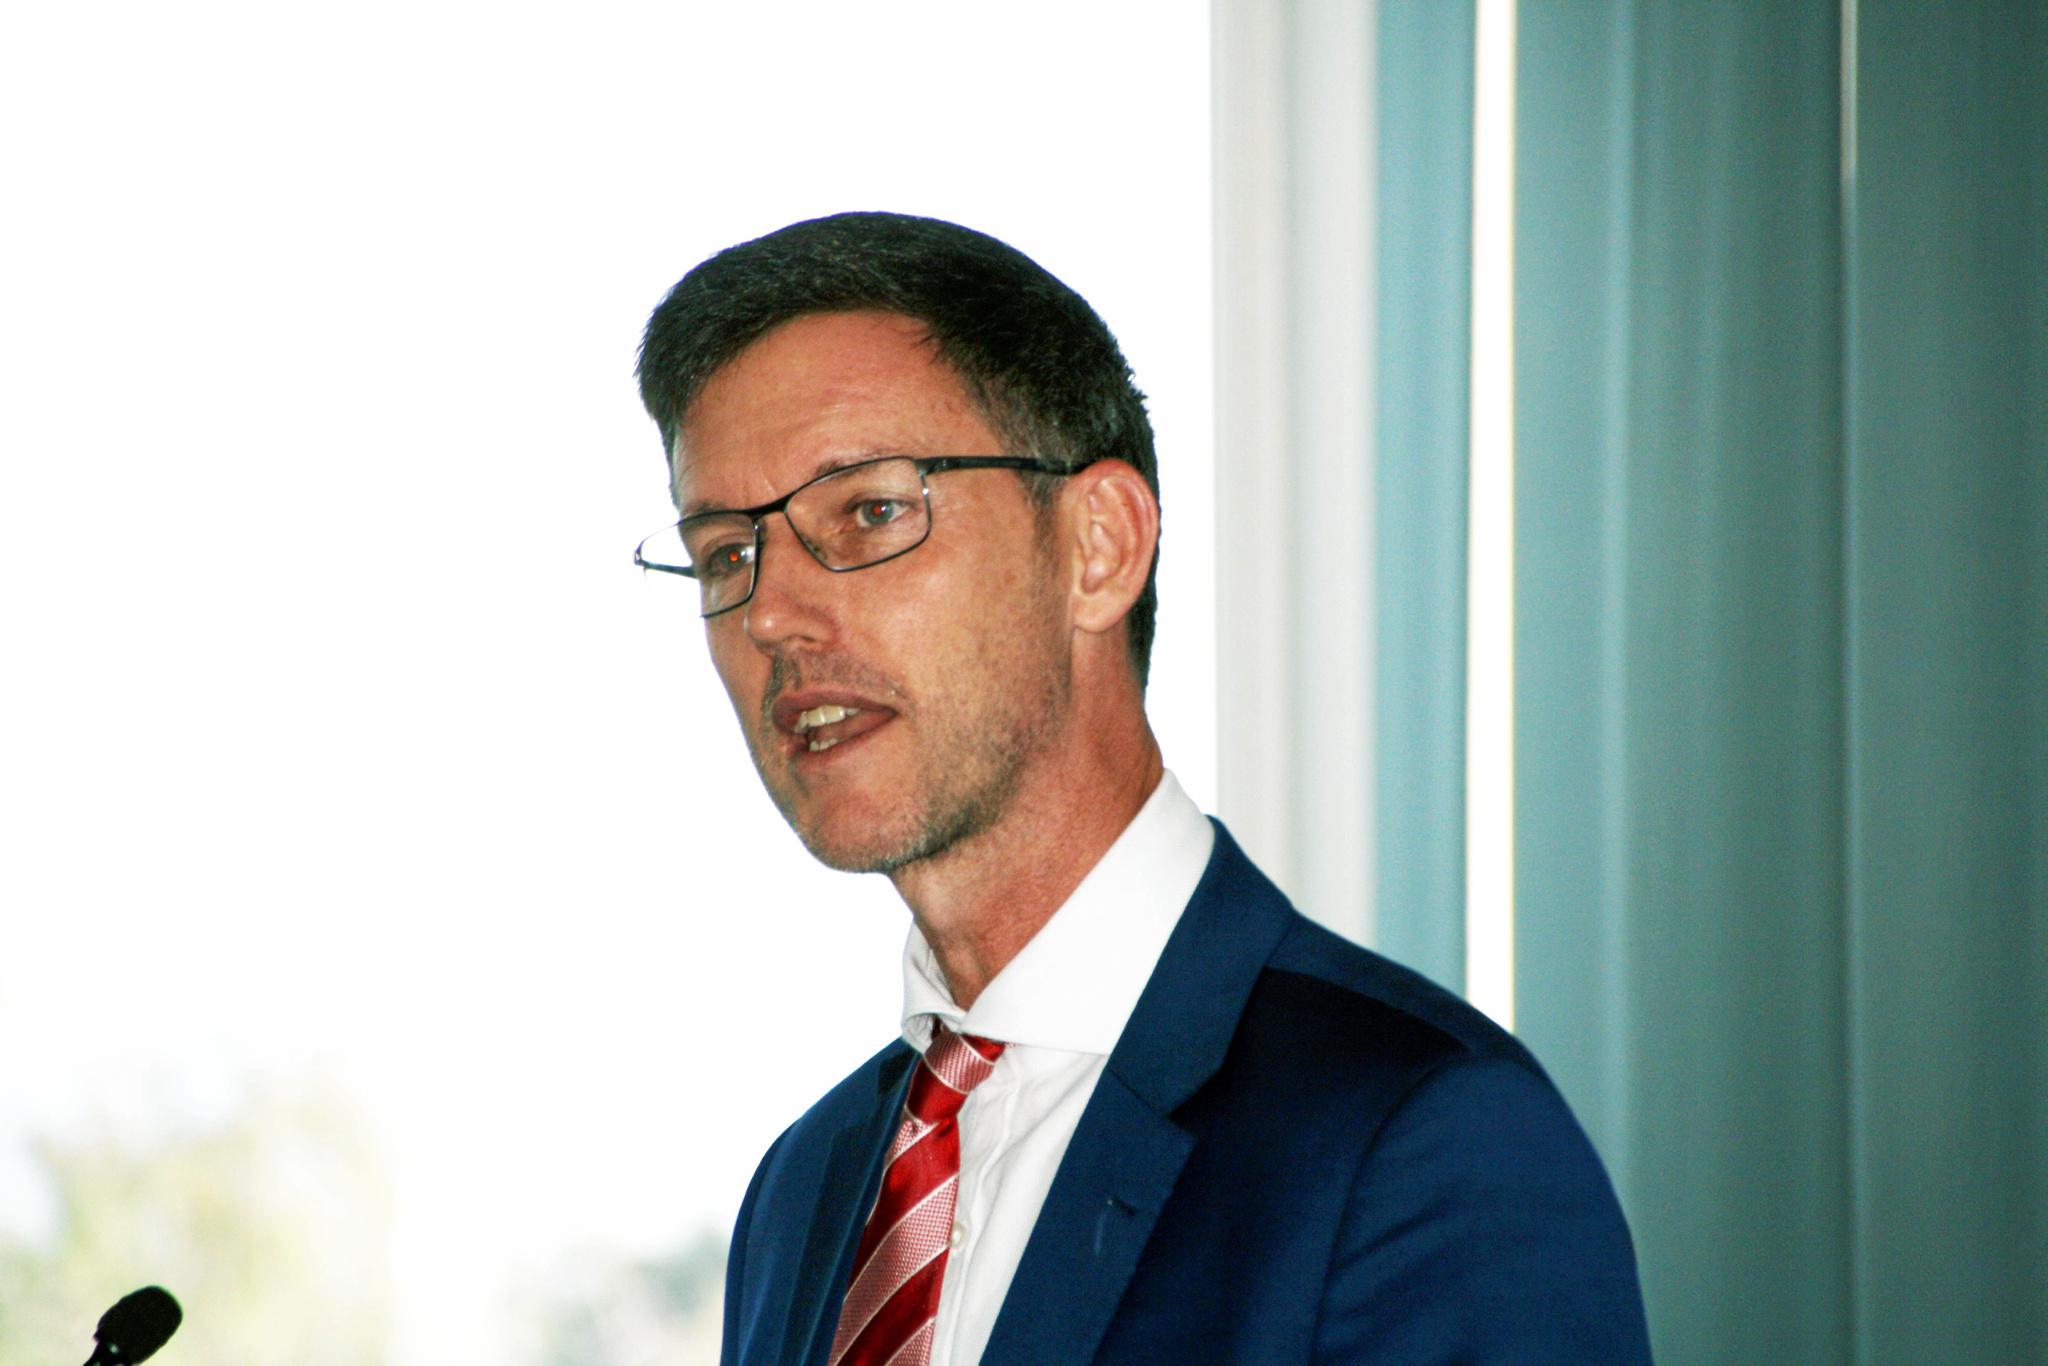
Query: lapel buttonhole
{"x": 1114, "y": 1206}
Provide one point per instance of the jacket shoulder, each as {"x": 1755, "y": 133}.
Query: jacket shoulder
{"x": 1430, "y": 1195}
{"x": 1317, "y": 973}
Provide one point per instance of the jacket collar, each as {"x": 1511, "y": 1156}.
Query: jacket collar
{"x": 1128, "y": 1151}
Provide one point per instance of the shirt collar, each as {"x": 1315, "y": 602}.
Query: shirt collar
{"x": 1075, "y": 984}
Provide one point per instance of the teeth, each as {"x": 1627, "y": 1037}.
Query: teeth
{"x": 820, "y": 746}
{"x": 823, "y": 716}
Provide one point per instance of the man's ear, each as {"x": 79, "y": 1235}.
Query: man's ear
{"x": 1111, "y": 521}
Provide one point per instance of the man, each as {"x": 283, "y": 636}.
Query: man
{"x": 1159, "y": 1116}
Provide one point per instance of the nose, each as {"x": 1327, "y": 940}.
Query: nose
{"x": 791, "y": 591}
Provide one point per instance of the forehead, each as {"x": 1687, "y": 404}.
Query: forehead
{"x": 820, "y": 391}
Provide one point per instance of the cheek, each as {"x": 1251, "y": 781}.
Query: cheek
{"x": 962, "y": 612}
{"x": 1001, "y": 577}
{"x": 1009, "y": 624}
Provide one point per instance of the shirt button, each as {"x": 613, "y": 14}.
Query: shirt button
{"x": 959, "y": 1234}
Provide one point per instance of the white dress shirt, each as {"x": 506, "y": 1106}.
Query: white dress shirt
{"x": 1058, "y": 1007}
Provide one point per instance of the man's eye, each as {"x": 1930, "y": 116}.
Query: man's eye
{"x": 724, "y": 561}
{"x": 878, "y": 512}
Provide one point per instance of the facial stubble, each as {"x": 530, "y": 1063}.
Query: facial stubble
{"x": 977, "y": 736}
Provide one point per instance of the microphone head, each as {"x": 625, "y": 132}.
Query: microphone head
{"x": 137, "y": 1325}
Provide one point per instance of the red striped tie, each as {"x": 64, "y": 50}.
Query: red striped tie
{"x": 892, "y": 1303}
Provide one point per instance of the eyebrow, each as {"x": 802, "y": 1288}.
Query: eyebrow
{"x": 844, "y": 460}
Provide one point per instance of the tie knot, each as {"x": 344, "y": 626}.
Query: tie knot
{"x": 954, "y": 1064}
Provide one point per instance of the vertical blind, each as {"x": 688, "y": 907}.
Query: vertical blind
{"x": 1781, "y": 608}
{"x": 1782, "y": 635}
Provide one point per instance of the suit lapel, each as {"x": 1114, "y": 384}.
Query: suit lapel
{"x": 1097, "y": 1217}
{"x": 846, "y": 1191}
{"x": 1127, "y": 1151}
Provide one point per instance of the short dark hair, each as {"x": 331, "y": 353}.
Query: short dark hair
{"x": 1037, "y": 360}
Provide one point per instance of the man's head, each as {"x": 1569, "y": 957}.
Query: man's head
{"x": 899, "y": 710}
{"x": 1036, "y": 360}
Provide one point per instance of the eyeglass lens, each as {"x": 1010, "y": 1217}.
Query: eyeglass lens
{"x": 848, "y": 519}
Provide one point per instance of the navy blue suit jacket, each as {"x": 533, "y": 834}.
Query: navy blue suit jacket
{"x": 1298, "y": 1152}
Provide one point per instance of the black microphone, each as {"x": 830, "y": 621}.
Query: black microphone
{"x": 135, "y": 1327}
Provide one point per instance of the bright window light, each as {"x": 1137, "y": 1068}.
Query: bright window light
{"x": 1490, "y": 620}
{"x": 387, "y": 885}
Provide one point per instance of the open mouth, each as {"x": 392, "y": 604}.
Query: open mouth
{"x": 825, "y": 725}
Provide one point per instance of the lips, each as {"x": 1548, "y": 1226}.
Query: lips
{"x": 814, "y": 722}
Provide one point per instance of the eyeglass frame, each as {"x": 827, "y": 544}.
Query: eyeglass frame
{"x": 925, "y": 465}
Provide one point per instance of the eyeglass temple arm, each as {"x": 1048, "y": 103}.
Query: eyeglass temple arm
{"x": 941, "y": 463}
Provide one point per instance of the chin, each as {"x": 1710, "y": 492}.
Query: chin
{"x": 882, "y": 842}
{"x": 868, "y": 846}
{"x": 842, "y": 834}
{"x": 851, "y": 857}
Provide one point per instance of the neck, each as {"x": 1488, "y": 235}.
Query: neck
{"x": 980, "y": 901}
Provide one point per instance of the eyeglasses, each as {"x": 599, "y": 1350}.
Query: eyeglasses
{"x": 851, "y": 518}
